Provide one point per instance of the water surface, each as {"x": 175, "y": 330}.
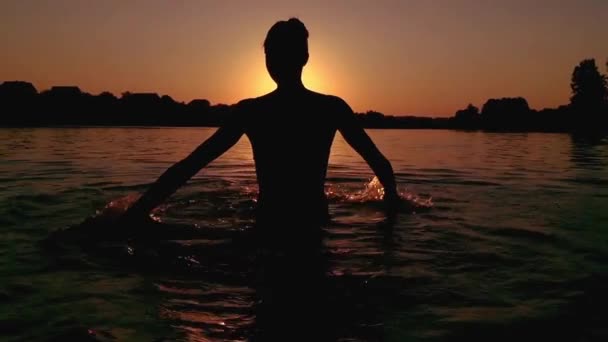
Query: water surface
{"x": 515, "y": 245}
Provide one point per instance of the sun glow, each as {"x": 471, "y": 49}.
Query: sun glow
{"x": 262, "y": 82}
{"x": 314, "y": 80}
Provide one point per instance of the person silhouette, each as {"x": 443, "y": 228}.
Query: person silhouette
{"x": 291, "y": 130}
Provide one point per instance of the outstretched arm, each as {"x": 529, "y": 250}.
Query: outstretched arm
{"x": 178, "y": 174}
{"x": 357, "y": 138}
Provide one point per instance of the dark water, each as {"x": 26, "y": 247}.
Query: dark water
{"x": 514, "y": 246}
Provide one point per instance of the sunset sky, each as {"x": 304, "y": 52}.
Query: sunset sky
{"x": 399, "y": 57}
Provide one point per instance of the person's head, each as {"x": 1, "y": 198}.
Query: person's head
{"x": 286, "y": 49}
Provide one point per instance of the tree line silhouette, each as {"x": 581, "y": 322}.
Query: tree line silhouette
{"x": 23, "y": 105}
{"x": 586, "y": 112}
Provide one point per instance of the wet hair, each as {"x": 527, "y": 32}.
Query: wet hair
{"x": 288, "y": 40}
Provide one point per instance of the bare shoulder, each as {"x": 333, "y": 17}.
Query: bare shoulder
{"x": 335, "y": 103}
{"x": 245, "y": 107}
{"x": 244, "y": 111}
{"x": 250, "y": 104}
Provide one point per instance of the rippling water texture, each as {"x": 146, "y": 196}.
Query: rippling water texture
{"x": 514, "y": 246}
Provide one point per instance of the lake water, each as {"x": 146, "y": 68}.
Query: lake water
{"x": 515, "y": 244}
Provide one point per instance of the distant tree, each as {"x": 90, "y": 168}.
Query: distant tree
{"x": 589, "y": 100}
{"x": 18, "y": 103}
{"x": 468, "y": 117}
{"x": 107, "y": 95}
{"x": 372, "y": 114}
{"x": 505, "y": 106}
{"x": 372, "y": 119}
{"x": 17, "y": 89}
{"x": 199, "y": 104}
{"x": 471, "y": 112}
{"x": 167, "y": 99}
{"x": 508, "y": 113}
{"x": 169, "y": 110}
{"x": 103, "y": 109}
{"x": 589, "y": 87}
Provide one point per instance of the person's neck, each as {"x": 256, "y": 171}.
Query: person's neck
{"x": 291, "y": 87}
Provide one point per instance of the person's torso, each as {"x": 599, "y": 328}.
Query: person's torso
{"x": 291, "y": 139}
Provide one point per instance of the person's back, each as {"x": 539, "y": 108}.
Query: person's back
{"x": 291, "y": 136}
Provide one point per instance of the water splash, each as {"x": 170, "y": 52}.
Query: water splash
{"x": 117, "y": 207}
{"x": 372, "y": 192}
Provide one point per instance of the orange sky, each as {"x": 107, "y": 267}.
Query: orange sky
{"x": 398, "y": 57}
